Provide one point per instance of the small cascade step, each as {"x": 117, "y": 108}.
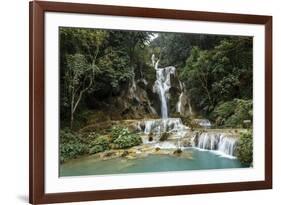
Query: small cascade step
{"x": 216, "y": 141}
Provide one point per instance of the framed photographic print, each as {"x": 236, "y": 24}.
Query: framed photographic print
{"x": 139, "y": 102}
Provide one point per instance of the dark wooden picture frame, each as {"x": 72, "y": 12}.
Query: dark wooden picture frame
{"x": 37, "y": 193}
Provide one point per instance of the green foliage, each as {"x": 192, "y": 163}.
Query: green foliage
{"x": 74, "y": 144}
{"x": 100, "y": 144}
{"x": 116, "y": 57}
{"x": 81, "y": 40}
{"x": 233, "y": 113}
{"x": 102, "y": 141}
{"x": 71, "y": 145}
{"x": 114, "y": 70}
{"x": 79, "y": 48}
{"x": 78, "y": 73}
{"x": 122, "y": 138}
{"x": 218, "y": 75}
{"x": 78, "y": 79}
{"x": 127, "y": 141}
{"x": 174, "y": 48}
{"x": 196, "y": 76}
{"x": 214, "y": 69}
{"x": 117, "y": 131}
{"x": 245, "y": 148}
{"x": 224, "y": 110}
{"x": 96, "y": 148}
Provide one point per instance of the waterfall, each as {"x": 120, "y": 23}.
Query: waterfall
{"x": 227, "y": 145}
{"x": 218, "y": 142}
{"x": 172, "y": 126}
{"x": 162, "y": 85}
{"x": 183, "y": 102}
{"x": 179, "y": 104}
{"x": 157, "y": 126}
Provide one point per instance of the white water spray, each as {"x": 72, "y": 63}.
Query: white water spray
{"x": 217, "y": 142}
{"x": 162, "y": 85}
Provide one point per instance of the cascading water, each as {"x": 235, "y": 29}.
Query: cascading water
{"x": 179, "y": 104}
{"x": 162, "y": 85}
{"x": 227, "y": 145}
{"x": 218, "y": 142}
{"x": 172, "y": 126}
{"x": 178, "y": 133}
{"x": 183, "y": 102}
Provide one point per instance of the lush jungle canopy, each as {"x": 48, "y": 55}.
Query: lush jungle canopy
{"x": 98, "y": 65}
{"x": 108, "y": 75}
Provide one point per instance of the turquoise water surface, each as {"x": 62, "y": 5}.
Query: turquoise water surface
{"x": 201, "y": 160}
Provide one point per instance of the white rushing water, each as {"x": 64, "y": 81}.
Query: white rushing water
{"x": 183, "y": 102}
{"x": 203, "y": 123}
{"x": 170, "y": 125}
{"x": 173, "y": 126}
{"x": 177, "y": 131}
{"x": 179, "y": 103}
{"x": 217, "y": 142}
{"x": 162, "y": 85}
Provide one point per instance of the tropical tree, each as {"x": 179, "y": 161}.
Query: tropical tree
{"x": 197, "y": 77}
{"x": 79, "y": 78}
{"x": 219, "y": 75}
{"x": 79, "y": 51}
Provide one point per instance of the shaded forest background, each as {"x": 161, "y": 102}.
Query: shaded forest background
{"x": 108, "y": 75}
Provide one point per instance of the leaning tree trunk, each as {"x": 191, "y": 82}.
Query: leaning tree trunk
{"x": 71, "y": 120}
{"x": 74, "y": 92}
{"x": 72, "y": 111}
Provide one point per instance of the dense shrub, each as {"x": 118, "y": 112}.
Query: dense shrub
{"x": 71, "y": 145}
{"x": 219, "y": 73}
{"x": 245, "y": 148}
{"x": 100, "y": 144}
{"x": 127, "y": 141}
{"x": 233, "y": 113}
{"x": 122, "y": 138}
{"x": 117, "y": 132}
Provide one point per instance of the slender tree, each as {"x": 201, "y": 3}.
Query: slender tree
{"x": 79, "y": 78}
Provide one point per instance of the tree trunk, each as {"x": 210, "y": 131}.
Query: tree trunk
{"x": 72, "y": 110}
{"x": 71, "y": 120}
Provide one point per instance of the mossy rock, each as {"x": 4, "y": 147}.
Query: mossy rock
{"x": 177, "y": 152}
{"x": 110, "y": 154}
{"x": 125, "y": 153}
{"x": 150, "y": 137}
{"x": 164, "y": 136}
